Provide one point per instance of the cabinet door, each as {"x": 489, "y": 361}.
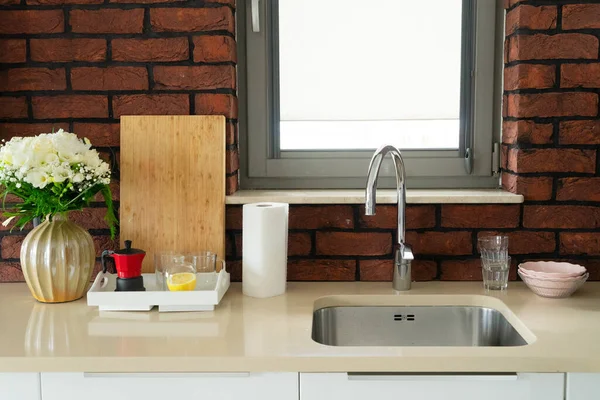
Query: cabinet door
{"x": 583, "y": 386}
{"x": 19, "y": 386}
{"x": 431, "y": 387}
{"x": 161, "y": 386}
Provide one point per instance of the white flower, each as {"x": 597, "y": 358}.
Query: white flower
{"x": 37, "y": 178}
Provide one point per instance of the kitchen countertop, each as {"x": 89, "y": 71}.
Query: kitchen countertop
{"x": 249, "y": 335}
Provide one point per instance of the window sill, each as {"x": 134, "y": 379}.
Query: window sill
{"x": 384, "y": 196}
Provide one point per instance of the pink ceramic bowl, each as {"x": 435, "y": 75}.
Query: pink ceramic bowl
{"x": 552, "y": 269}
{"x": 548, "y": 277}
{"x": 553, "y": 289}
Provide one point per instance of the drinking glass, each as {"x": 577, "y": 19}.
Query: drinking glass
{"x": 162, "y": 261}
{"x": 205, "y": 261}
{"x": 493, "y": 247}
{"x": 180, "y": 276}
{"x": 495, "y": 273}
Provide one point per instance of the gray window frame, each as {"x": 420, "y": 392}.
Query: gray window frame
{"x": 262, "y": 167}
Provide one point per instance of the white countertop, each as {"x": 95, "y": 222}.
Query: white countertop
{"x": 247, "y": 335}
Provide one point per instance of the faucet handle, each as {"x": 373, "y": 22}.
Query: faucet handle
{"x": 405, "y": 252}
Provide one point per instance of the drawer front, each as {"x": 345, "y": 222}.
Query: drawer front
{"x": 19, "y": 386}
{"x": 430, "y": 387}
{"x": 583, "y": 386}
{"x": 160, "y": 386}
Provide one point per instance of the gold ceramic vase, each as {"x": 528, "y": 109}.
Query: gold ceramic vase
{"x": 57, "y": 259}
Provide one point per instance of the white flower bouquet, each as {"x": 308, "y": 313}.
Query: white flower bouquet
{"x": 53, "y": 173}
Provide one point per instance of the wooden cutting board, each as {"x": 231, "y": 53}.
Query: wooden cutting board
{"x": 173, "y": 184}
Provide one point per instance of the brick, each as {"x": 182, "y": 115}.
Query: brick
{"x": 111, "y": 78}
{"x": 386, "y": 217}
{"x": 440, "y": 243}
{"x": 321, "y": 270}
{"x": 235, "y": 269}
{"x": 230, "y": 246}
{"x": 527, "y": 242}
{"x": 529, "y": 76}
{"x": 580, "y": 75}
{"x": 231, "y": 135}
{"x": 382, "y": 270}
{"x": 9, "y": 3}
{"x": 584, "y": 243}
{"x": 552, "y": 105}
{"x": 13, "y": 107}
{"x": 89, "y": 218}
{"x": 469, "y": 270}
{"x": 461, "y": 270}
{"x": 299, "y": 244}
{"x": 558, "y": 46}
{"x": 70, "y": 106}
{"x": 201, "y": 77}
{"x": 145, "y": 1}
{"x": 104, "y": 242}
{"x": 209, "y": 48}
{"x": 216, "y": 104}
{"x": 552, "y": 160}
{"x": 107, "y": 21}
{"x": 157, "y": 104}
{"x": 12, "y": 51}
{"x": 144, "y": 50}
{"x": 61, "y": 2}
{"x": 230, "y": 3}
{"x": 514, "y": 132}
{"x": 23, "y": 22}
{"x": 532, "y": 188}
{"x": 561, "y": 217}
{"x": 232, "y": 161}
{"x": 354, "y": 243}
{"x": 10, "y": 130}
{"x": 192, "y": 19}
{"x": 322, "y": 216}
{"x": 579, "y": 132}
{"x": 115, "y": 192}
{"x": 504, "y": 157}
{"x": 233, "y": 217}
{"x": 579, "y": 189}
{"x": 504, "y": 106}
{"x": 531, "y": 17}
{"x": 11, "y": 272}
{"x": 67, "y": 50}
{"x": 232, "y": 183}
{"x": 101, "y": 135}
{"x": 480, "y": 216}
{"x": 11, "y": 246}
{"x": 580, "y": 16}
{"x": 21, "y": 79}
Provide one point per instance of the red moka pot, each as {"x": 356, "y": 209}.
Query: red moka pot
{"x": 128, "y": 266}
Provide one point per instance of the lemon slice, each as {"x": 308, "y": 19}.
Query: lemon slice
{"x": 181, "y": 281}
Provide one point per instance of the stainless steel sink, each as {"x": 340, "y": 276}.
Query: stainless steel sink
{"x": 413, "y": 326}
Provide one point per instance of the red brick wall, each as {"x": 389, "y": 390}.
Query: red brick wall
{"x": 551, "y": 128}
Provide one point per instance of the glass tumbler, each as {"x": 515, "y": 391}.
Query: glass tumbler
{"x": 493, "y": 247}
{"x": 162, "y": 261}
{"x": 205, "y": 261}
{"x": 495, "y": 273}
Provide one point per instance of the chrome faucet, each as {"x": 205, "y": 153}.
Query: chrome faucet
{"x": 404, "y": 255}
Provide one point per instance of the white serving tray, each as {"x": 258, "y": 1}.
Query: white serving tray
{"x": 210, "y": 289}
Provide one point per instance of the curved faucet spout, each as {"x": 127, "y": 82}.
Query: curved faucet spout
{"x": 402, "y": 275}
{"x": 370, "y": 197}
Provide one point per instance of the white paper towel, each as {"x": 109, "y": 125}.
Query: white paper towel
{"x": 265, "y": 242}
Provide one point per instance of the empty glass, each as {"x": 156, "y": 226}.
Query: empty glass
{"x": 205, "y": 261}
{"x": 495, "y": 273}
{"x": 493, "y": 247}
{"x": 162, "y": 260}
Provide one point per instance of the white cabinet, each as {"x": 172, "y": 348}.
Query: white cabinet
{"x": 19, "y": 386}
{"x": 161, "y": 386}
{"x": 583, "y": 386}
{"x": 327, "y": 386}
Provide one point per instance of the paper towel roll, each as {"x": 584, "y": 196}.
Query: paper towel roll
{"x": 265, "y": 238}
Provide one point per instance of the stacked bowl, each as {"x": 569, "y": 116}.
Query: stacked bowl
{"x": 553, "y": 279}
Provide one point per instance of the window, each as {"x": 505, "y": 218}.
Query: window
{"x": 326, "y": 82}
